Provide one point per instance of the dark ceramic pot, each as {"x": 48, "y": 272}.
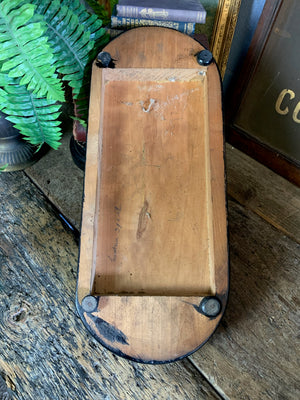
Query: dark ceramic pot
{"x": 78, "y": 140}
{"x": 15, "y": 152}
{"x": 78, "y": 152}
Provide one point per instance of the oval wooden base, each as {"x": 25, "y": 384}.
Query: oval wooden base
{"x": 150, "y": 329}
{"x": 153, "y": 237}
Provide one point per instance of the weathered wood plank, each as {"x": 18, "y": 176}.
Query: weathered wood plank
{"x": 269, "y": 195}
{"x": 45, "y": 351}
{"x": 60, "y": 180}
{"x": 250, "y": 183}
{"x": 254, "y": 353}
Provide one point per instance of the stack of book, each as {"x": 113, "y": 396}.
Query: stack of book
{"x": 181, "y": 15}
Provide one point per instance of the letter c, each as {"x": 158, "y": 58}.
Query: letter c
{"x": 280, "y": 100}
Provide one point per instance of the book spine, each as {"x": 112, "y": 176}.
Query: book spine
{"x": 126, "y": 23}
{"x": 161, "y": 14}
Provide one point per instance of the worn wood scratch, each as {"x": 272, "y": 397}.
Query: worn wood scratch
{"x": 144, "y": 217}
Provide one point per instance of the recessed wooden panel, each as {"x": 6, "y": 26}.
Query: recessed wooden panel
{"x": 154, "y": 231}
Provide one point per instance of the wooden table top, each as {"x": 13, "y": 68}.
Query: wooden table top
{"x": 46, "y": 352}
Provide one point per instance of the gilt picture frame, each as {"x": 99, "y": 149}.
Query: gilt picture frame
{"x": 223, "y": 31}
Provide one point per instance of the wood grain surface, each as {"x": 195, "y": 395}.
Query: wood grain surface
{"x": 154, "y": 221}
{"x": 154, "y": 215}
{"x": 47, "y": 353}
{"x": 254, "y": 354}
{"x": 272, "y": 197}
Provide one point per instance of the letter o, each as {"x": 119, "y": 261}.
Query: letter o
{"x": 296, "y": 113}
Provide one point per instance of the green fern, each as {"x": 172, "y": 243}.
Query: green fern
{"x": 76, "y": 37}
{"x": 98, "y": 10}
{"x": 91, "y": 22}
{"x": 73, "y": 33}
{"x": 3, "y": 167}
{"x": 39, "y": 40}
{"x": 25, "y": 52}
{"x": 35, "y": 117}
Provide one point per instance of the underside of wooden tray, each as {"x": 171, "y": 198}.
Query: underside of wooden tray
{"x": 153, "y": 268}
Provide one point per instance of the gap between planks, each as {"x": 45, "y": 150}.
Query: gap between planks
{"x": 262, "y": 191}
{"x": 217, "y": 389}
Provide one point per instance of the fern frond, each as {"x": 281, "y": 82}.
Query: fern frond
{"x": 100, "y": 11}
{"x": 81, "y": 121}
{"x": 90, "y": 22}
{"x": 3, "y": 167}
{"x": 24, "y": 52}
{"x": 35, "y": 117}
{"x": 73, "y": 33}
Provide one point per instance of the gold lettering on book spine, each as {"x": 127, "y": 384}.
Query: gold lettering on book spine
{"x": 223, "y": 31}
{"x": 151, "y": 14}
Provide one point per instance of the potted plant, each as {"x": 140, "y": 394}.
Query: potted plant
{"x": 46, "y": 47}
